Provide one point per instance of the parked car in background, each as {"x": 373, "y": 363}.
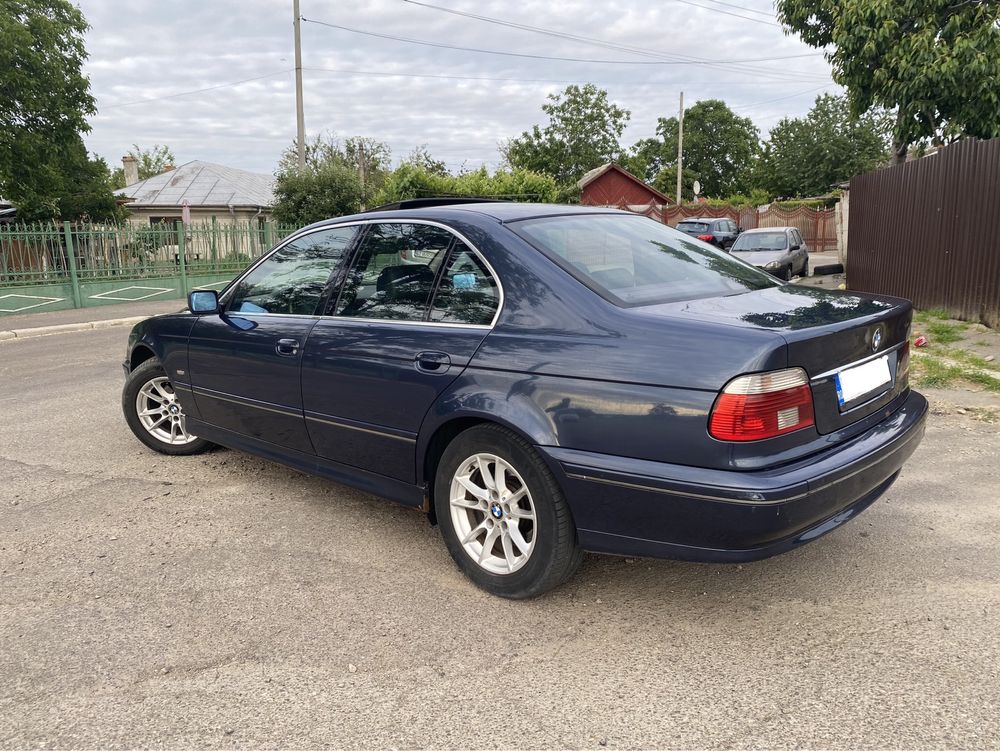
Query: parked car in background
{"x": 780, "y": 251}
{"x": 553, "y": 379}
{"x": 721, "y": 233}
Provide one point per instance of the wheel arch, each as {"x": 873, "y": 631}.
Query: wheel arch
{"x": 140, "y": 353}
{"x": 435, "y": 439}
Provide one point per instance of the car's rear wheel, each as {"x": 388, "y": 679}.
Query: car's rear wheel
{"x": 504, "y": 519}
{"x": 154, "y": 414}
{"x": 805, "y": 268}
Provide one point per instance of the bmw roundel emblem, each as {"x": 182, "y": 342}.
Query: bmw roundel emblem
{"x": 496, "y": 510}
{"x": 876, "y": 340}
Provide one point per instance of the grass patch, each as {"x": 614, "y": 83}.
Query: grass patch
{"x": 923, "y": 316}
{"x": 968, "y": 358}
{"x": 945, "y": 332}
{"x": 930, "y": 372}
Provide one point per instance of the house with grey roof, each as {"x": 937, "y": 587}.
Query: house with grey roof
{"x": 207, "y": 190}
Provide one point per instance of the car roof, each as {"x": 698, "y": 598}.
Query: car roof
{"x": 767, "y": 229}
{"x": 501, "y": 211}
{"x": 704, "y": 219}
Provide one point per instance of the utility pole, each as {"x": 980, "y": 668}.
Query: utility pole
{"x": 300, "y": 118}
{"x": 680, "y": 147}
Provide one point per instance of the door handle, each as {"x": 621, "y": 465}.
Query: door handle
{"x": 432, "y": 362}
{"x": 287, "y": 347}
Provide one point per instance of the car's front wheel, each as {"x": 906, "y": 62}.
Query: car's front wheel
{"x": 154, "y": 414}
{"x": 504, "y": 519}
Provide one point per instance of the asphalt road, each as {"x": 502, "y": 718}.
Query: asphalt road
{"x": 223, "y": 601}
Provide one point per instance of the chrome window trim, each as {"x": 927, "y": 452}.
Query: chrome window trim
{"x": 364, "y": 222}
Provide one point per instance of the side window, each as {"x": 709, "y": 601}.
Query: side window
{"x": 393, "y": 272}
{"x": 293, "y": 278}
{"x": 467, "y": 292}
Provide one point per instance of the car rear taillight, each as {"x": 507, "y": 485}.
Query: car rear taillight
{"x": 706, "y": 238}
{"x": 763, "y": 405}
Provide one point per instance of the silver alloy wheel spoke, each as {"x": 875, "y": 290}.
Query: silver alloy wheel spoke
{"x": 161, "y": 414}
{"x": 491, "y": 503}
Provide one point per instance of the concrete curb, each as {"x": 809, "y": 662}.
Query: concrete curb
{"x": 63, "y": 328}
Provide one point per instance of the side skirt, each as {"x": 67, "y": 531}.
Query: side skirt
{"x": 370, "y": 482}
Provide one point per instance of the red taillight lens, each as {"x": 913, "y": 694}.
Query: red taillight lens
{"x": 706, "y": 238}
{"x": 764, "y": 405}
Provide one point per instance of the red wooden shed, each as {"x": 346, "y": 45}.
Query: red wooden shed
{"x": 610, "y": 185}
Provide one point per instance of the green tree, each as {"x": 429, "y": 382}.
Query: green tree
{"x": 936, "y": 63}
{"x": 328, "y": 190}
{"x": 808, "y": 156}
{"x": 421, "y": 157}
{"x": 368, "y": 157}
{"x": 152, "y": 162}
{"x": 44, "y": 103}
{"x": 720, "y": 148}
{"x": 583, "y": 132}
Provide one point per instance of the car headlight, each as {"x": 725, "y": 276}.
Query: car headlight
{"x": 772, "y": 265}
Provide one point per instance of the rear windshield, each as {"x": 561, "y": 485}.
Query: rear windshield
{"x": 633, "y": 260}
{"x": 693, "y": 226}
{"x": 750, "y": 241}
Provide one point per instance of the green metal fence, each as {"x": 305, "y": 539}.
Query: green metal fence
{"x": 53, "y": 267}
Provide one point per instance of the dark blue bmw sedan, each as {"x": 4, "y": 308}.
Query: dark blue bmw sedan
{"x": 541, "y": 381}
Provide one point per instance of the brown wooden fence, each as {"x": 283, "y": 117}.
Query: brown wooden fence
{"x": 929, "y": 230}
{"x": 817, "y": 226}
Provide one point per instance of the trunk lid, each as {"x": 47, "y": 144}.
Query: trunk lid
{"x": 826, "y": 333}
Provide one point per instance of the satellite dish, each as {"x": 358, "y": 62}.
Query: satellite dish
{"x": 697, "y": 187}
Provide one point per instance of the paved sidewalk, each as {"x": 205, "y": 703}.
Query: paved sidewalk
{"x": 78, "y": 318}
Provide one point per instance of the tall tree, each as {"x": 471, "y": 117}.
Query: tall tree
{"x": 583, "y": 132}
{"x": 44, "y": 103}
{"x": 719, "y": 149}
{"x": 935, "y": 62}
{"x": 329, "y": 190}
{"x": 807, "y": 156}
{"x": 153, "y": 161}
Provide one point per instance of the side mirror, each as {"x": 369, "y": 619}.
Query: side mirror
{"x": 203, "y": 301}
{"x": 795, "y": 247}
{"x": 739, "y": 230}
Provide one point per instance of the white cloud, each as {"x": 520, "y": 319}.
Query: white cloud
{"x": 148, "y": 49}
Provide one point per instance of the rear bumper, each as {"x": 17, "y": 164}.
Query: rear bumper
{"x": 637, "y": 507}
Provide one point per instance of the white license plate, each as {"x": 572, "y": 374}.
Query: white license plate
{"x": 862, "y": 379}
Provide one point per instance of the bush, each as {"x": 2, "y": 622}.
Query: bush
{"x": 322, "y": 192}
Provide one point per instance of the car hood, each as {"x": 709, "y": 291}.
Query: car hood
{"x": 759, "y": 257}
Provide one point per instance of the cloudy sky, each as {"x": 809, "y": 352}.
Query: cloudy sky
{"x": 214, "y": 79}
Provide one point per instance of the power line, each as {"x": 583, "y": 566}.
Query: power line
{"x": 743, "y": 8}
{"x": 441, "y": 45}
{"x": 391, "y": 74}
{"x": 606, "y": 44}
{"x": 193, "y": 91}
{"x": 726, "y": 12}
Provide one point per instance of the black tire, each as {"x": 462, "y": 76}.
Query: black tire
{"x": 787, "y": 274}
{"x": 556, "y": 553}
{"x": 143, "y": 374}
{"x": 805, "y": 268}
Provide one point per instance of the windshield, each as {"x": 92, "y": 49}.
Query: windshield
{"x": 633, "y": 260}
{"x": 692, "y": 226}
{"x": 750, "y": 241}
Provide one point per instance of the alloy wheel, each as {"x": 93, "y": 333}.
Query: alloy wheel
{"x": 493, "y": 513}
{"x": 161, "y": 414}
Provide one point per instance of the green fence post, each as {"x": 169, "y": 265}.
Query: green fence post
{"x": 268, "y": 236}
{"x": 71, "y": 259}
{"x": 215, "y": 250}
{"x": 181, "y": 252}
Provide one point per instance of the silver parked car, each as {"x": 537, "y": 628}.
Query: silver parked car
{"x": 780, "y": 251}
